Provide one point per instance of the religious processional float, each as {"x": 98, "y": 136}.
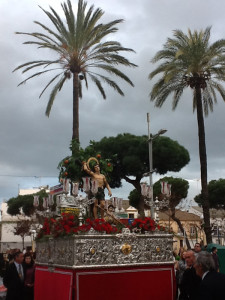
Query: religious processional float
{"x": 81, "y": 258}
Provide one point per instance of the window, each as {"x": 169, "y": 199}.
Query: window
{"x": 192, "y": 230}
{"x": 215, "y": 230}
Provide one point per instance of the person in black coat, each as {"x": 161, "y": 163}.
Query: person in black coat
{"x": 215, "y": 258}
{"x": 212, "y": 286}
{"x": 29, "y": 270}
{"x": 14, "y": 278}
{"x": 3, "y": 264}
{"x": 190, "y": 282}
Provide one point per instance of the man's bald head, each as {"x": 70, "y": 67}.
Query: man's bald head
{"x": 190, "y": 258}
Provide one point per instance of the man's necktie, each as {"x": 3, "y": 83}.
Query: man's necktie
{"x": 20, "y": 272}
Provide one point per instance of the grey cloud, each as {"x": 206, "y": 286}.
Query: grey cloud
{"x": 32, "y": 145}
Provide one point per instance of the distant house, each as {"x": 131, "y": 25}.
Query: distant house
{"x": 191, "y": 223}
{"x": 217, "y": 221}
{"x": 126, "y": 211}
{"x": 8, "y": 223}
{"x": 132, "y": 212}
{"x": 23, "y": 192}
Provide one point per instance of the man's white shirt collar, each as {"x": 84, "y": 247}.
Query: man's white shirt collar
{"x": 203, "y": 276}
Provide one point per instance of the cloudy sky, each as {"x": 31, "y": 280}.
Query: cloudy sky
{"x": 31, "y": 145}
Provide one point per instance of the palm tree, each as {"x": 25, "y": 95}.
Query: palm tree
{"x": 189, "y": 60}
{"x": 82, "y": 47}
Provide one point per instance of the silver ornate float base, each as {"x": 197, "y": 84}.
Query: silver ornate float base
{"x": 93, "y": 250}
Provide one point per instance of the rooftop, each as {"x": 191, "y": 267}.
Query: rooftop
{"x": 181, "y": 215}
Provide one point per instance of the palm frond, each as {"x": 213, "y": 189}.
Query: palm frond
{"x": 70, "y": 18}
{"x": 45, "y": 64}
{"x": 207, "y": 101}
{"x": 212, "y": 91}
{"x": 161, "y": 90}
{"x": 85, "y": 79}
{"x": 110, "y": 82}
{"x": 57, "y": 22}
{"x": 164, "y": 54}
{"x": 81, "y": 44}
{"x": 177, "y": 95}
{"x": 40, "y": 36}
{"x": 30, "y": 63}
{"x": 35, "y": 75}
{"x": 116, "y": 72}
{"x": 53, "y": 94}
{"x": 219, "y": 88}
{"x": 56, "y": 35}
{"x": 80, "y": 89}
{"x": 98, "y": 83}
{"x": 49, "y": 83}
{"x": 194, "y": 102}
{"x": 206, "y": 35}
{"x": 111, "y": 59}
{"x": 189, "y": 56}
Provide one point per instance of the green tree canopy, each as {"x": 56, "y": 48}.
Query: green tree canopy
{"x": 216, "y": 190}
{"x": 71, "y": 166}
{"x": 81, "y": 49}
{"x": 24, "y": 203}
{"x": 179, "y": 191}
{"x": 128, "y": 156}
{"x": 134, "y": 198}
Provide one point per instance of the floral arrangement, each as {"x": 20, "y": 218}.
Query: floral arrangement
{"x": 146, "y": 224}
{"x": 99, "y": 225}
{"x": 68, "y": 225}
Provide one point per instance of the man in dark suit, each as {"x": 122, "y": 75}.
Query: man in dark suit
{"x": 190, "y": 282}
{"x": 14, "y": 278}
{"x": 212, "y": 286}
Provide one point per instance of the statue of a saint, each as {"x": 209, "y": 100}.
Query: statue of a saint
{"x": 102, "y": 184}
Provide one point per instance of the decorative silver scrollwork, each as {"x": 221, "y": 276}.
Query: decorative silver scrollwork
{"x": 96, "y": 249}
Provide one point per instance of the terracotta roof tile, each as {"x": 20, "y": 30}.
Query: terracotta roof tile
{"x": 182, "y": 215}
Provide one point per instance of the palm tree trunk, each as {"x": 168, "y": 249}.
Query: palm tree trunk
{"x": 203, "y": 165}
{"x": 75, "y": 134}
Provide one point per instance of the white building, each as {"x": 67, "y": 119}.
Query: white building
{"x": 33, "y": 190}
{"x": 217, "y": 221}
{"x": 8, "y": 223}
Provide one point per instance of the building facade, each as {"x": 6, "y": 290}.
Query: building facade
{"x": 217, "y": 221}
{"x": 8, "y": 224}
{"x": 191, "y": 223}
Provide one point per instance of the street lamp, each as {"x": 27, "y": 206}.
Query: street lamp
{"x": 151, "y": 170}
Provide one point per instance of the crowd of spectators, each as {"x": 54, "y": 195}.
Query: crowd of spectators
{"x": 17, "y": 270}
{"x": 198, "y": 276}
